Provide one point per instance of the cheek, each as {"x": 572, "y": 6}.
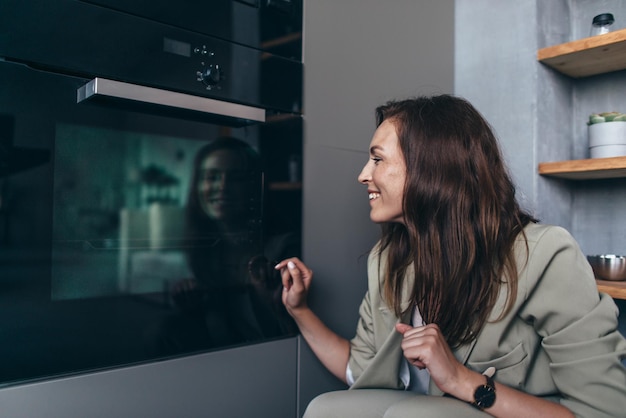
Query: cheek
{"x": 397, "y": 179}
{"x": 205, "y": 186}
{"x": 398, "y": 190}
{"x": 201, "y": 192}
{"x": 398, "y": 194}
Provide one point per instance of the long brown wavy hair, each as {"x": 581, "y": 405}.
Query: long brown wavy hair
{"x": 461, "y": 216}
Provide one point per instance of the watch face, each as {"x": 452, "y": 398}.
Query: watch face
{"x": 485, "y": 396}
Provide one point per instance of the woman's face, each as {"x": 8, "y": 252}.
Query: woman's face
{"x": 385, "y": 175}
{"x": 222, "y": 188}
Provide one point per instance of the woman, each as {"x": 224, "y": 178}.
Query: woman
{"x": 230, "y": 297}
{"x": 468, "y": 296}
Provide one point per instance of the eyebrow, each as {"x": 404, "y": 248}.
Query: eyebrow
{"x": 376, "y": 148}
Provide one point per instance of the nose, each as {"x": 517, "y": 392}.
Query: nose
{"x": 220, "y": 181}
{"x": 214, "y": 181}
{"x": 366, "y": 174}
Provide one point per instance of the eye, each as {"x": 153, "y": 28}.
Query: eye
{"x": 376, "y": 160}
{"x": 212, "y": 175}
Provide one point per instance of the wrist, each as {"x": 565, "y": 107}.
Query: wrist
{"x": 299, "y": 312}
{"x": 466, "y": 386}
{"x": 474, "y": 388}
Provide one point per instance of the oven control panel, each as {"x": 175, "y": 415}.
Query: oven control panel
{"x": 148, "y": 53}
{"x": 211, "y": 73}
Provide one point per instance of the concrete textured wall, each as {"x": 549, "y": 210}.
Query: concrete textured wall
{"x": 540, "y": 114}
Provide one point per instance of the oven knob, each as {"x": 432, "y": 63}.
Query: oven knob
{"x": 211, "y": 76}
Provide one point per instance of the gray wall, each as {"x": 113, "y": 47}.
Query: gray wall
{"x": 495, "y": 70}
{"x": 357, "y": 55}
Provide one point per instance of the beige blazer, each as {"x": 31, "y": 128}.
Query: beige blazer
{"x": 560, "y": 340}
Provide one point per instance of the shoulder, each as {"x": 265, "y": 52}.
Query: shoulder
{"x": 376, "y": 258}
{"x": 541, "y": 244}
{"x": 550, "y": 261}
{"x": 546, "y": 244}
{"x": 376, "y": 261}
{"x": 536, "y": 234}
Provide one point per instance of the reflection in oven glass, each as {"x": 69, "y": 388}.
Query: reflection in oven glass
{"x": 171, "y": 222}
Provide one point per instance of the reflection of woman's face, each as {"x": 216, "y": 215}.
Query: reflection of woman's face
{"x": 222, "y": 187}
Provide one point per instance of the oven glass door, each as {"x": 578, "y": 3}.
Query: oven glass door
{"x": 127, "y": 236}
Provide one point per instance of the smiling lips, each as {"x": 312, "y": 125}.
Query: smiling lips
{"x": 373, "y": 195}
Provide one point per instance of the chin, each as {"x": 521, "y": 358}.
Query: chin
{"x": 379, "y": 220}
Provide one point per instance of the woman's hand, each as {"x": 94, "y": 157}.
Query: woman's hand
{"x": 425, "y": 347}
{"x": 332, "y": 349}
{"x": 296, "y": 278}
{"x": 187, "y": 295}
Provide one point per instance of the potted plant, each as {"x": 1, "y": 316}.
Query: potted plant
{"x": 607, "y": 134}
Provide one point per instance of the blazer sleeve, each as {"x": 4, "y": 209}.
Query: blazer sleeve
{"x": 375, "y": 351}
{"x": 363, "y": 346}
{"x": 577, "y": 325}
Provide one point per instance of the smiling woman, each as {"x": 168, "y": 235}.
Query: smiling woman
{"x": 226, "y": 185}
{"x": 384, "y": 175}
{"x": 228, "y": 297}
{"x": 457, "y": 288}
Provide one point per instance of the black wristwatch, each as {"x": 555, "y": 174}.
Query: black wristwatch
{"x": 485, "y": 395}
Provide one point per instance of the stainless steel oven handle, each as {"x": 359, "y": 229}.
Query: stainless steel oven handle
{"x": 120, "y": 90}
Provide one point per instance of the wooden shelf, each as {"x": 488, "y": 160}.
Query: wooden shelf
{"x": 617, "y": 290}
{"x": 589, "y": 169}
{"x": 582, "y": 58}
{"x": 588, "y": 56}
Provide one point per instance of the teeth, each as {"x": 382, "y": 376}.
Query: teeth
{"x": 373, "y": 196}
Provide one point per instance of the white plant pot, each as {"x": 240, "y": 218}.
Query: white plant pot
{"x": 607, "y": 151}
{"x": 607, "y": 133}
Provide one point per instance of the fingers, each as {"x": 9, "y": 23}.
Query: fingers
{"x": 416, "y": 343}
{"x": 295, "y": 260}
{"x": 408, "y": 330}
{"x": 402, "y": 328}
{"x": 296, "y": 276}
{"x": 184, "y": 285}
{"x": 294, "y": 273}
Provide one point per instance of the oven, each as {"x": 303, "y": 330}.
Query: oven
{"x": 150, "y": 176}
